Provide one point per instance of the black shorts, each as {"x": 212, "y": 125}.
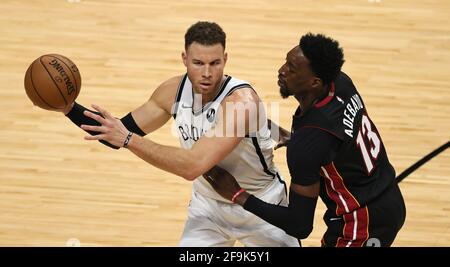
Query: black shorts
{"x": 375, "y": 224}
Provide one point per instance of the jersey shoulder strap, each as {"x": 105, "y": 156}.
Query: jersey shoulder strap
{"x": 178, "y": 95}
{"x": 236, "y": 84}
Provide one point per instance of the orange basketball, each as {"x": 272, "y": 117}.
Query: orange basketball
{"x": 52, "y": 82}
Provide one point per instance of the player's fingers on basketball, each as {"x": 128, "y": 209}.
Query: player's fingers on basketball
{"x": 94, "y": 116}
{"x": 93, "y": 128}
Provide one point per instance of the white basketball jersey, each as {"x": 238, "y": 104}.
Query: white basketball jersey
{"x": 251, "y": 162}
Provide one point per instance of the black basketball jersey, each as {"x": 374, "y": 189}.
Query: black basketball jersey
{"x": 356, "y": 169}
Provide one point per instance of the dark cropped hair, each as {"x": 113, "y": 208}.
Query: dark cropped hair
{"x": 324, "y": 54}
{"x": 205, "y": 33}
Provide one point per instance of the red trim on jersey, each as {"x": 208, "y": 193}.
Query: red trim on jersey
{"x": 327, "y": 99}
{"x": 333, "y": 195}
{"x": 345, "y": 201}
{"x": 355, "y": 231}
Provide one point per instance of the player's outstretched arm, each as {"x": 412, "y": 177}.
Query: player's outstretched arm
{"x": 208, "y": 151}
{"x": 148, "y": 117}
{"x": 231, "y": 127}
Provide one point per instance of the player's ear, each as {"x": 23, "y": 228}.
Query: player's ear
{"x": 317, "y": 82}
{"x": 184, "y": 58}
{"x": 225, "y": 57}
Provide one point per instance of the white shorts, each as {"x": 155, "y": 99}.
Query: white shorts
{"x": 213, "y": 223}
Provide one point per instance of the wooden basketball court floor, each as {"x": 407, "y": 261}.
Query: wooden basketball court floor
{"x": 55, "y": 186}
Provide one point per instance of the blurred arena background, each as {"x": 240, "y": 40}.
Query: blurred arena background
{"x": 55, "y": 187}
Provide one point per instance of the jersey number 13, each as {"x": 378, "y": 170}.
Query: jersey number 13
{"x": 367, "y": 136}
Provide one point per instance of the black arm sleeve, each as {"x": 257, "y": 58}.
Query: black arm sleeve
{"x": 296, "y": 219}
{"x": 78, "y": 118}
{"x": 309, "y": 149}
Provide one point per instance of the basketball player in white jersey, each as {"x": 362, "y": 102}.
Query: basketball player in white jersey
{"x": 196, "y": 100}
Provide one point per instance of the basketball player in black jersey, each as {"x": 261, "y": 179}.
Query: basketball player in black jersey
{"x": 335, "y": 151}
